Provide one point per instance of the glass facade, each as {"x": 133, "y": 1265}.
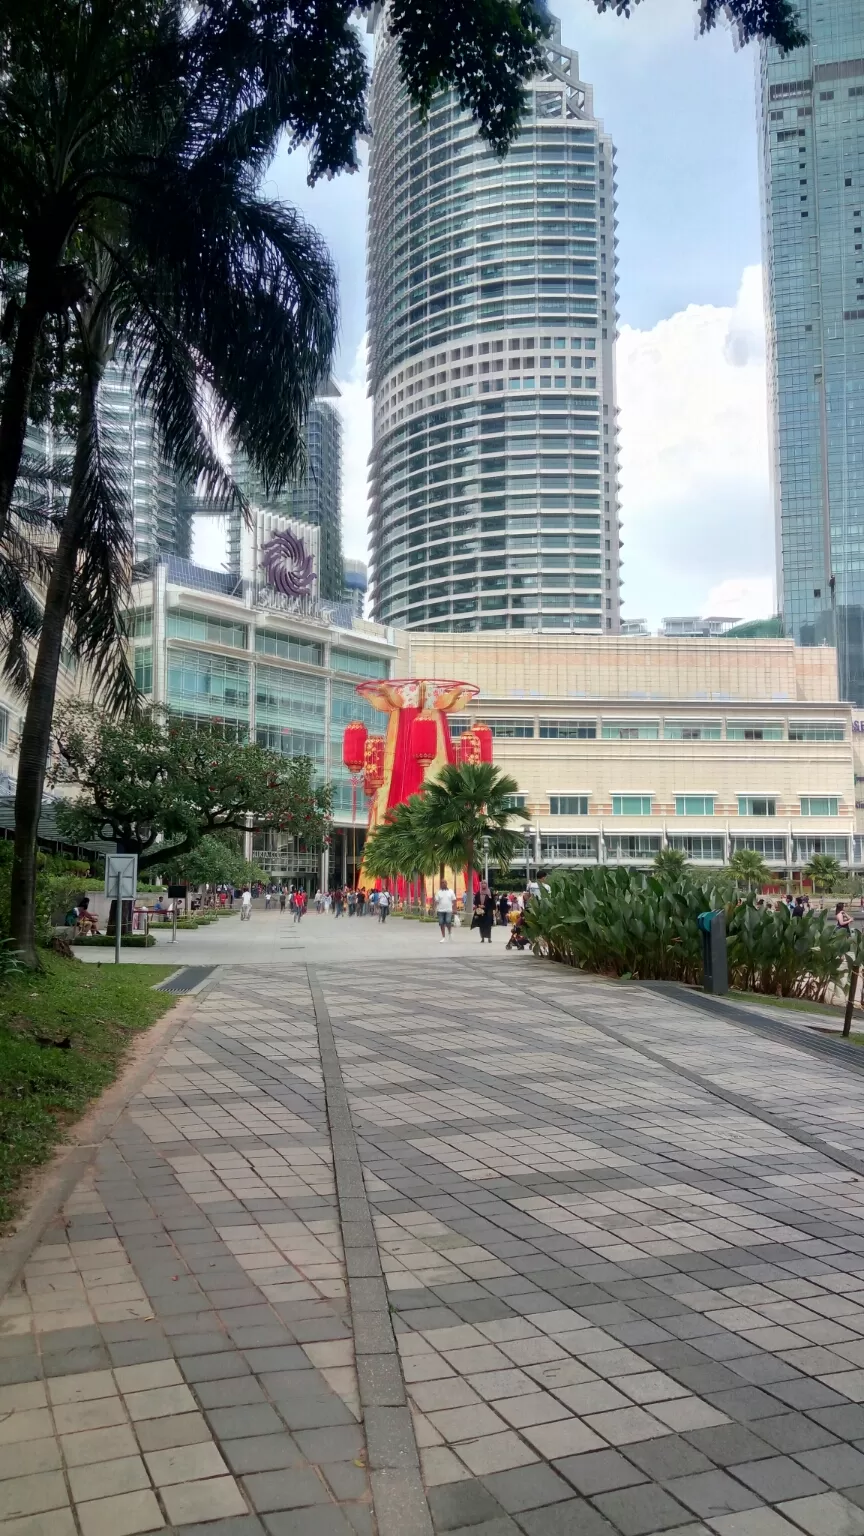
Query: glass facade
{"x": 161, "y": 514}
{"x": 812, "y": 160}
{"x": 492, "y": 312}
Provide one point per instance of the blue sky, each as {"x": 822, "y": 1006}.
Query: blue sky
{"x": 681, "y": 111}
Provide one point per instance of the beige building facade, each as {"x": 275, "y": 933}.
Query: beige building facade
{"x": 622, "y": 746}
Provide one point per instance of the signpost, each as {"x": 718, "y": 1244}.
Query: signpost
{"x": 121, "y": 883}
{"x": 176, "y": 892}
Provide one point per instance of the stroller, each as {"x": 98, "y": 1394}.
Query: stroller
{"x": 518, "y": 937}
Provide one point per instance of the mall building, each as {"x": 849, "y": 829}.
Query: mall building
{"x": 620, "y": 745}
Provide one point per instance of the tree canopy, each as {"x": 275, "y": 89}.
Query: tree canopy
{"x": 158, "y": 786}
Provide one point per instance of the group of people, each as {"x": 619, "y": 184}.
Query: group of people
{"x": 356, "y": 902}
{"x": 508, "y": 911}
{"x": 293, "y": 898}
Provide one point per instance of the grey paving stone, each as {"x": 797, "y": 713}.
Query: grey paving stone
{"x": 575, "y": 1518}
{"x": 289, "y": 1489}
{"x": 236, "y": 1391}
{"x": 346, "y": 1479}
{"x": 794, "y": 1432}
{"x": 711, "y": 1494}
{"x": 218, "y": 1367}
{"x": 463, "y": 1504}
{"x": 239, "y": 1423}
{"x": 727, "y": 1443}
{"x": 599, "y": 1471}
{"x": 778, "y": 1478}
{"x": 261, "y": 1453}
{"x": 238, "y": 1525}
{"x": 312, "y": 1412}
{"x": 317, "y": 1522}
{"x": 337, "y": 1443}
{"x": 642, "y": 1511}
{"x": 666, "y": 1458}
{"x": 529, "y": 1487}
{"x": 840, "y": 1466}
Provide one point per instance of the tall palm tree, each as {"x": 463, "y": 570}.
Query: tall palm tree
{"x": 401, "y": 845}
{"x": 470, "y": 806}
{"x": 747, "y": 867}
{"x": 825, "y": 872}
{"x": 225, "y": 304}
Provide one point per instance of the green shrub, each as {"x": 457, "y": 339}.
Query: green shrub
{"x": 106, "y": 941}
{"x": 620, "y": 923}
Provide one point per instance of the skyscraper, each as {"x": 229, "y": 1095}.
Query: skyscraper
{"x": 316, "y": 498}
{"x": 161, "y": 513}
{"x": 492, "y": 314}
{"x": 812, "y": 161}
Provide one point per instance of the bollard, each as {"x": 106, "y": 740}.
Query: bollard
{"x": 712, "y": 926}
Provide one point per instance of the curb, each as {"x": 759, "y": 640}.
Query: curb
{"x": 56, "y": 1181}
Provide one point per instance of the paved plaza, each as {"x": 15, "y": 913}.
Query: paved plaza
{"x": 410, "y": 1238}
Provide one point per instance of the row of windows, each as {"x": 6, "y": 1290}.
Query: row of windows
{"x": 693, "y": 805}
{"x": 200, "y": 627}
{"x": 649, "y": 730}
{"x": 698, "y": 847}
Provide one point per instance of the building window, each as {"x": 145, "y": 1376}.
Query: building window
{"x": 514, "y": 802}
{"x": 694, "y": 805}
{"x": 144, "y": 668}
{"x": 184, "y": 625}
{"x": 773, "y": 848}
{"x": 359, "y": 665}
{"x": 564, "y": 847}
{"x": 740, "y": 731}
{"x": 504, "y": 729}
{"x": 757, "y": 805}
{"x": 632, "y": 846}
{"x": 631, "y": 730}
{"x": 141, "y": 623}
{"x": 804, "y": 848}
{"x": 819, "y": 805}
{"x": 4, "y": 727}
{"x": 631, "y": 805}
{"x": 804, "y": 732}
{"x": 568, "y": 730}
{"x": 692, "y": 730}
{"x": 700, "y": 848}
{"x": 289, "y": 647}
{"x": 568, "y": 805}
{"x": 215, "y": 687}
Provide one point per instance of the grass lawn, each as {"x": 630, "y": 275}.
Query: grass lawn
{"x": 833, "y": 1010}
{"x": 43, "y": 1089}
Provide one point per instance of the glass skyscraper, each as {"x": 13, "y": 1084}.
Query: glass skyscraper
{"x": 492, "y": 315}
{"x": 161, "y": 514}
{"x": 812, "y": 161}
{"x": 316, "y": 499}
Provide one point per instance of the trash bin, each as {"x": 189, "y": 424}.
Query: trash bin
{"x": 715, "y": 968}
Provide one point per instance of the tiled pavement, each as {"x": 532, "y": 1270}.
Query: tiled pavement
{"x": 623, "y": 1305}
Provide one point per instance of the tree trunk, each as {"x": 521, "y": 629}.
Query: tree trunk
{"x": 17, "y": 395}
{"x": 36, "y": 735}
{"x": 469, "y": 880}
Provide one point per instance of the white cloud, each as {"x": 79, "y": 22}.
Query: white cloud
{"x": 698, "y": 526}
{"x": 356, "y": 411}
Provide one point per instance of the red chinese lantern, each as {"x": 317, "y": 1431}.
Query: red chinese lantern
{"x": 373, "y": 764}
{"x": 354, "y": 746}
{"x": 424, "y": 738}
{"x": 484, "y": 736}
{"x": 470, "y": 748}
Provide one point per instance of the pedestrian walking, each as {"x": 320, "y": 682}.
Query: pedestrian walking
{"x": 484, "y": 912}
{"x": 373, "y": 903}
{"x": 383, "y": 905}
{"x": 503, "y": 909}
{"x": 319, "y": 900}
{"x": 338, "y": 902}
{"x": 841, "y": 916}
{"x": 361, "y": 901}
{"x": 267, "y": 899}
{"x": 352, "y": 901}
{"x": 282, "y": 898}
{"x": 444, "y": 899}
{"x": 245, "y": 905}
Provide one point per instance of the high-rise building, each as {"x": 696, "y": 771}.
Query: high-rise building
{"x": 492, "y": 316}
{"x": 315, "y": 499}
{"x": 161, "y": 513}
{"x": 812, "y": 161}
{"x": 356, "y": 586}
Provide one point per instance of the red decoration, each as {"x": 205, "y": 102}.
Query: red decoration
{"x": 484, "y": 736}
{"x": 470, "y": 748}
{"x": 354, "y": 746}
{"x": 424, "y": 738}
{"x": 373, "y": 764}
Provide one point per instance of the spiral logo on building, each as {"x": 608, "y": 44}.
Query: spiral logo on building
{"x": 289, "y": 568}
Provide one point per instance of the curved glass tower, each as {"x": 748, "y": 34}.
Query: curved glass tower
{"x": 492, "y": 310}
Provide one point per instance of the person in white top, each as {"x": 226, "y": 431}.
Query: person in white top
{"x": 246, "y": 905}
{"x": 444, "y": 900}
{"x": 383, "y": 905}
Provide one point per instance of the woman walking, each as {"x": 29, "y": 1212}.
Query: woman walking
{"x": 484, "y": 912}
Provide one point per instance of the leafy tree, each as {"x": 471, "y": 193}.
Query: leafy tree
{"x": 216, "y": 860}
{"x": 670, "y": 864}
{"x": 825, "y": 872}
{"x": 777, "y": 21}
{"x": 401, "y": 844}
{"x": 747, "y": 867}
{"x": 469, "y": 806}
{"x": 158, "y": 787}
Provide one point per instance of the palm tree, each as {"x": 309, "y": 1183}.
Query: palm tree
{"x": 217, "y": 290}
{"x": 825, "y": 872}
{"x": 400, "y": 845}
{"x": 747, "y": 867}
{"x": 670, "y": 864}
{"x": 468, "y": 806}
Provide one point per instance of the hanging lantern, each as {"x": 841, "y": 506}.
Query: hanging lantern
{"x": 354, "y": 746}
{"x": 484, "y": 736}
{"x": 470, "y": 748}
{"x": 424, "y": 738}
{"x": 373, "y": 764}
